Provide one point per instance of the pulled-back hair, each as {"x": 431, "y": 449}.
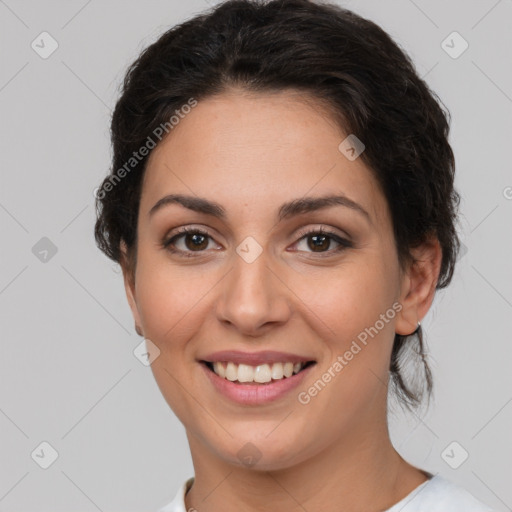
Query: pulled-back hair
{"x": 342, "y": 60}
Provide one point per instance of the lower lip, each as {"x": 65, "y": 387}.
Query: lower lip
{"x": 255, "y": 394}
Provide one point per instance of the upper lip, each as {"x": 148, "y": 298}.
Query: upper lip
{"x": 255, "y": 358}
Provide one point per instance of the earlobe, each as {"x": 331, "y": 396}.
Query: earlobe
{"x": 419, "y": 285}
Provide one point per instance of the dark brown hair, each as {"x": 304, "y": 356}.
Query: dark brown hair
{"x": 333, "y": 55}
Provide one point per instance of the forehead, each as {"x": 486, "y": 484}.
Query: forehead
{"x": 255, "y": 150}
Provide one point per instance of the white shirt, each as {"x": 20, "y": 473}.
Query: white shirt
{"x": 435, "y": 495}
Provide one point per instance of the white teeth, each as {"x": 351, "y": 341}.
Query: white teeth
{"x": 245, "y": 373}
{"x": 219, "y": 369}
{"x": 261, "y": 374}
{"x": 277, "y": 371}
{"x": 231, "y": 372}
{"x": 288, "y": 369}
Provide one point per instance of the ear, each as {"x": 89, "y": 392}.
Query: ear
{"x": 419, "y": 285}
{"x": 129, "y": 286}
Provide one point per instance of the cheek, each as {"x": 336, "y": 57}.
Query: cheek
{"x": 356, "y": 314}
{"x": 168, "y": 293}
{"x": 171, "y": 308}
{"x": 354, "y": 311}
{"x": 351, "y": 299}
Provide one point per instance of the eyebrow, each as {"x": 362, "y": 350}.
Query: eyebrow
{"x": 286, "y": 210}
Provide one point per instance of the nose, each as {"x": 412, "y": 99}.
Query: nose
{"x": 253, "y": 296}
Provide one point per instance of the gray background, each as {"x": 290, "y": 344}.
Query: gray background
{"x": 67, "y": 369}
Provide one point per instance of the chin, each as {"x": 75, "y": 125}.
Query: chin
{"x": 261, "y": 453}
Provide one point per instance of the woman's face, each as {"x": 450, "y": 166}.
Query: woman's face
{"x": 257, "y": 285}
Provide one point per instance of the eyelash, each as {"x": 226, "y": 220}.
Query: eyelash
{"x": 343, "y": 243}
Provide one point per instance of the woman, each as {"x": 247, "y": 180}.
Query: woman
{"x": 281, "y": 203}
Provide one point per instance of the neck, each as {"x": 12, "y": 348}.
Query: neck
{"x": 362, "y": 471}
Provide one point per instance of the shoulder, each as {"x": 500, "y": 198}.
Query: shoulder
{"x": 178, "y": 503}
{"x": 439, "y": 495}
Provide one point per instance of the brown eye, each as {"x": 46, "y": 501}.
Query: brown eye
{"x": 195, "y": 241}
{"x": 319, "y": 242}
{"x": 187, "y": 241}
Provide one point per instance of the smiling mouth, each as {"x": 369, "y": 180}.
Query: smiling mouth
{"x": 261, "y": 374}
